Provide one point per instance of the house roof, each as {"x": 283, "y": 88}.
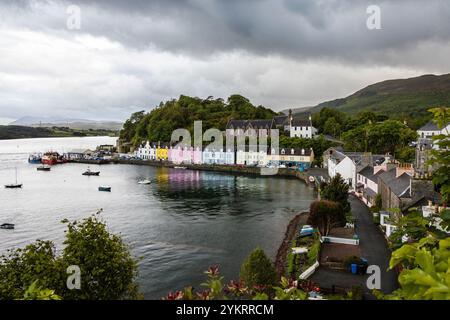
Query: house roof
{"x": 251, "y": 124}
{"x": 301, "y": 123}
{"x": 430, "y": 126}
{"x": 369, "y": 192}
{"x": 280, "y": 120}
{"x": 399, "y": 186}
{"x": 368, "y": 172}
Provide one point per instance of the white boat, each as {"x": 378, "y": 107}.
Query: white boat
{"x": 145, "y": 181}
{"x": 178, "y": 167}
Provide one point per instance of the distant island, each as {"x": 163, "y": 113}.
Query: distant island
{"x": 23, "y": 132}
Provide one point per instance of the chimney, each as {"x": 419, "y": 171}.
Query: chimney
{"x": 366, "y": 159}
{"x": 402, "y": 168}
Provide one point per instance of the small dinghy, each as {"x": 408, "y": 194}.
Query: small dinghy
{"x": 178, "y": 167}
{"x": 8, "y": 226}
{"x": 14, "y": 185}
{"x": 145, "y": 181}
{"x": 43, "y": 168}
{"x": 88, "y": 172}
{"x": 107, "y": 189}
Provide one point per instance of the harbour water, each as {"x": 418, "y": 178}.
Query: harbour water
{"x": 179, "y": 225}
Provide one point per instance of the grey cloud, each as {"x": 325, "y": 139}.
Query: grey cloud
{"x": 278, "y": 53}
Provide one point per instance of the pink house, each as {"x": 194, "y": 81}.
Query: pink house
{"x": 188, "y": 154}
{"x": 176, "y": 154}
{"x": 197, "y": 155}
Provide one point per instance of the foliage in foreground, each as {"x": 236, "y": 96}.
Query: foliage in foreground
{"x": 216, "y": 289}
{"x": 108, "y": 270}
{"x": 258, "y": 270}
{"x": 426, "y": 270}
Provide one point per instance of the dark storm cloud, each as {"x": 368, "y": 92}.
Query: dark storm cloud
{"x": 299, "y": 29}
{"x": 132, "y": 54}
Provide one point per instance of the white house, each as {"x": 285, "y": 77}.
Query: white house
{"x": 430, "y": 130}
{"x": 348, "y": 164}
{"x": 218, "y": 156}
{"x": 367, "y": 184}
{"x": 251, "y": 155}
{"x": 340, "y": 163}
{"x": 302, "y": 129}
{"x": 146, "y": 152}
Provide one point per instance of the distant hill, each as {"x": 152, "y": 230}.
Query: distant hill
{"x": 76, "y": 124}
{"x": 400, "y": 98}
{"x": 22, "y": 132}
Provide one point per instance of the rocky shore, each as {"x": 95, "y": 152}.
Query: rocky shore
{"x": 293, "y": 226}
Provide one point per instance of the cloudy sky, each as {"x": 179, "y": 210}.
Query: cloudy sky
{"x": 130, "y": 55}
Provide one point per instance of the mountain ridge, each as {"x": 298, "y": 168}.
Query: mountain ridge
{"x": 409, "y": 97}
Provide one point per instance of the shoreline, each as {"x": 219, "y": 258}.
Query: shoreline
{"x": 280, "y": 260}
{"x": 229, "y": 169}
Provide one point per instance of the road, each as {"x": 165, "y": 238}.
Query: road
{"x": 374, "y": 249}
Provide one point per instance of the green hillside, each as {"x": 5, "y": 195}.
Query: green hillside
{"x": 403, "y": 99}
{"x": 159, "y": 123}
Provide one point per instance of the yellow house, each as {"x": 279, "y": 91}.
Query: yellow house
{"x": 162, "y": 152}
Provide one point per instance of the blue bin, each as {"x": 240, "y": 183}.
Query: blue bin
{"x": 354, "y": 268}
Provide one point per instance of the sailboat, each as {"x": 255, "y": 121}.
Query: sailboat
{"x": 14, "y": 185}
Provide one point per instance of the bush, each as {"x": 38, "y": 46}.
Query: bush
{"x": 258, "y": 270}
{"x": 107, "y": 269}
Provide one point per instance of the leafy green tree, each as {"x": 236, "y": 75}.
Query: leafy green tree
{"x": 159, "y": 123}
{"x": 326, "y": 215}
{"x": 413, "y": 225}
{"x": 319, "y": 119}
{"x": 336, "y": 190}
{"x": 332, "y": 127}
{"x": 258, "y": 270}
{"x": 108, "y": 270}
{"x": 441, "y": 157}
{"x": 21, "y": 267}
{"x": 425, "y": 270}
{"x": 36, "y": 292}
{"x": 129, "y": 127}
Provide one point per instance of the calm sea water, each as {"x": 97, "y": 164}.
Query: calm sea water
{"x": 179, "y": 225}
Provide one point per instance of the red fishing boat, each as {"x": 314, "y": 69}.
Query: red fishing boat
{"x": 51, "y": 158}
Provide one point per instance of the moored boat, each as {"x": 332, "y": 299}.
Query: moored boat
{"x": 43, "y": 168}
{"x": 14, "y": 185}
{"x": 103, "y": 188}
{"x": 180, "y": 167}
{"x": 145, "y": 181}
{"x": 35, "y": 158}
{"x": 50, "y": 158}
{"x": 9, "y": 226}
{"x": 88, "y": 172}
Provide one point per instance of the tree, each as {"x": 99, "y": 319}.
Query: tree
{"x": 258, "y": 270}
{"x": 326, "y": 215}
{"x": 22, "y": 267}
{"x": 425, "y": 270}
{"x": 332, "y": 127}
{"x": 108, "y": 270}
{"x": 441, "y": 157}
{"x": 337, "y": 190}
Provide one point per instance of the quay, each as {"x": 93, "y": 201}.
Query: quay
{"x": 230, "y": 169}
